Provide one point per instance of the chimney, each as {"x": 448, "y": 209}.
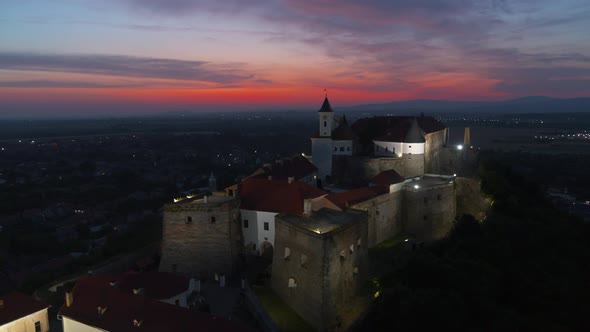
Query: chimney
{"x": 290, "y": 179}
{"x": 307, "y": 207}
{"x": 69, "y": 298}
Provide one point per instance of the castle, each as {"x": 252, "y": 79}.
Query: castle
{"x": 301, "y": 213}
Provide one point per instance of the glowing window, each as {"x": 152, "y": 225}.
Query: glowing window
{"x": 292, "y": 283}
{"x": 287, "y": 253}
{"x": 351, "y": 249}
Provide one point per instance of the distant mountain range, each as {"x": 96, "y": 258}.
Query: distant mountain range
{"x": 532, "y": 104}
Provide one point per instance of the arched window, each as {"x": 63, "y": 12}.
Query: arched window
{"x": 292, "y": 283}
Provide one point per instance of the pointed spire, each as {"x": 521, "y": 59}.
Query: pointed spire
{"x": 326, "y": 107}
{"x": 414, "y": 133}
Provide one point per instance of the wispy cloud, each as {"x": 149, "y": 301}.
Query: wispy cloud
{"x": 127, "y": 66}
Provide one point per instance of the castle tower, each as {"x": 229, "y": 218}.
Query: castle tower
{"x": 326, "y": 117}
{"x": 321, "y": 144}
{"x": 467, "y": 137}
{"x": 320, "y": 264}
{"x": 201, "y": 237}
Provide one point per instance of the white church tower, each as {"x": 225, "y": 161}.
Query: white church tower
{"x": 321, "y": 144}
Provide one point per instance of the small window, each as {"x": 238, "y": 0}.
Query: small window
{"x": 358, "y": 243}
{"x": 342, "y": 253}
{"x": 189, "y": 219}
{"x": 292, "y": 283}
{"x": 410, "y": 146}
{"x": 325, "y": 123}
{"x": 266, "y": 226}
{"x": 438, "y": 197}
{"x": 351, "y": 249}
{"x": 212, "y": 220}
{"x": 303, "y": 260}
{"x": 287, "y": 253}
{"x": 348, "y": 148}
{"x": 37, "y": 326}
{"x": 245, "y": 223}
{"x": 355, "y": 270}
{"x": 341, "y": 149}
{"x": 335, "y": 149}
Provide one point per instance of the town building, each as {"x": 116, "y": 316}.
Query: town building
{"x": 96, "y": 305}
{"x": 22, "y": 313}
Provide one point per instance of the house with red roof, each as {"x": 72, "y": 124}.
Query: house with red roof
{"x": 93, "y": 305}
{"x": 261, "y": 199}
{"x": 22, "y": 313}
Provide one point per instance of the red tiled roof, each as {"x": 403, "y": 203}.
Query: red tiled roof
{"x": 276, "y": 195}
{"x": 123, "y": 308}
{"x": 18, "y": 305}
{"x": 351, "y": 197}
{"x": 393, "y": 128}
{"x": 297, "y": 167}
{"x": 387, "y": 178}
{"x": 156, "y": 285}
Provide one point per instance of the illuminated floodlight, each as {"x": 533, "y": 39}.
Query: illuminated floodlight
{"x": 416, "y": 186}
{"x": 406, "y": 240}
{"x": 459, "y": 147}
{"x": 455, "y": 174}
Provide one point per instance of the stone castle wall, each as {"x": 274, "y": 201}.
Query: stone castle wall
{"x": 429, "y": 213}
{"x": 384, "y": 217}
{"x": 433, "y": 159}
{"x": 200, "y": 248}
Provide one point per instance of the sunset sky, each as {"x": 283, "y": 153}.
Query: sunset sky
{"x": 142, "y": 56}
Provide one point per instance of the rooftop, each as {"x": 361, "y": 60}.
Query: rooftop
{"x": 387, "y": 178}
{"x": 296, "y": 167}
{"x": 351, "y": 197}
{"x": 156, "y": 285}
{"x": 278, "y": 196}
{"x": 396, "y": 128}
{"x": 128, "y": 312}
{"x": 428, "y": 181}
{"x": 16, "y": 305}
{"x": 214, "y": 200}
{"x": 325, "y": 220}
